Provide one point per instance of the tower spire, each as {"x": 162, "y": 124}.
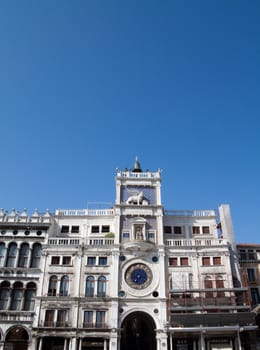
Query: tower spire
{"x": 137, "y": 167}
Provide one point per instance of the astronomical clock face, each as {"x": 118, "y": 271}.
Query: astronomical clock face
{"x": 138, "y": 276}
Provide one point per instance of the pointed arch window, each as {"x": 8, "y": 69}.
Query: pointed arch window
{"x": 29, "y": 296}
{"x": 23, "y": 255}
{"x": 101, "y": 286}
{"x": 64, "y": 286}
{"x": 52, "y": 290}
{"x": 4, "y": 295}
{"x": 17, "y": 295}
{"x": 2, "y": 254}
{"x": 11, "y": 255}
{"x": 36, "y": 255}
{"x": 90, "y": 285}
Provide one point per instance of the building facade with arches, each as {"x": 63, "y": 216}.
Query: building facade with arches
{"x": 132, "y": 276}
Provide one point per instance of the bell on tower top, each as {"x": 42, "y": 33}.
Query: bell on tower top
{"x": 137, "y": 167}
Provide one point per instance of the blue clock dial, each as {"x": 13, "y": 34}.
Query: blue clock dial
{"x": 139, "y": 276}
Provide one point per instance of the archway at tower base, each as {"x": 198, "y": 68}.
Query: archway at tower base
{"x": 138, "y": 332}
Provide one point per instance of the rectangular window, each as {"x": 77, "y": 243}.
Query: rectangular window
{"x": 74, "y": 229}
{"x": 251, "y": 255}
{"x": 55, "y": 260}
{"x": 91, "y": 260}
{"x": 177, "y": 230}
{"x": 205, "y": 230}
{"x": 88, "y": 319}
{"x": 100, "y": 319}
{"x": 184, "y": 261}
{"x": 206, "y": 261}
{"x": 49, "y": 318}
{"x": 65, "y": 229}
{"x": 173, "y": 261}
{"x": 151, "y": 236}
{"x": 196, "y": 230}
{"x": 125, "y": 235}
{"x": 255, "y": 296}
{"x": 216, "y": 260}
{"x": 105, "y": 229}
{"x": 94, "y": 229}
{"x": 66, "y": 260}
{"x": 102, "y": 260}
{"x": 251, "y": 275}
{"x": 243, "y": 255}
{"x": 61, "y": 318}
{"x": 167, "y": 229}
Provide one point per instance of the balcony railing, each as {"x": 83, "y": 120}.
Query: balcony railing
{"x": 194, "y": 242}
{"x": 57, "y": 324}
{"x": 68, "y": 242}
{"x": 100, "y": 241}
{"x": 192, "y": 213}
{"x": 222, "y": 301}
{"x": 14, "y": 316}
{"x": 141, "y": 175}
{"x": 95, "y": 325}
{"x": 84, "y": 212}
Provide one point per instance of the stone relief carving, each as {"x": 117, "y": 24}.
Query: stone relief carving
{"x": 136, "y": 199}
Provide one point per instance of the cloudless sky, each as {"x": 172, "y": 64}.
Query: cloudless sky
{"x": 85, "y": 86}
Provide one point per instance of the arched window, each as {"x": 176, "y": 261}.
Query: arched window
{"x": 52, "y": 290}
{"x": 17, "y": 295}
{"x": 11, "y": 255}
{"x": 90, "y": 285}
{"x": 64, "y": 286}
{"x": 220, "y": 285}
{"x": 29, "y": 296}
{"x": 4, "y": 295}
{"x": 208, "y": 284}
{"x": 101, "y": 286}
{"x": 23, "y": 255}
{"x": 2, "y": 254}
{"x": 36, "y": 255}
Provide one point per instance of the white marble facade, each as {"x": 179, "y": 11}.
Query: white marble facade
{"x": 134, "y": 276}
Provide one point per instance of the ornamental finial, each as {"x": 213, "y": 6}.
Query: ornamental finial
{"x": 137, "y": 167}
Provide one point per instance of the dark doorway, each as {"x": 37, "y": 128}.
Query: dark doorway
{"x": 16, "y": 339}
{"x": 138, "y": 332}
{"x": 53, "y": 343}
{"x": 92, "y": 344}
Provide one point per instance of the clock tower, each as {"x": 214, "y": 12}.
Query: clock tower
{"x": 141, "y": 267}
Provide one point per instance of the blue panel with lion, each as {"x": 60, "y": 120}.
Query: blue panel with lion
{"x": 137, "y": 195}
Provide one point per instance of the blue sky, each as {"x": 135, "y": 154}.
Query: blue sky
{"x": 85, "y": 86}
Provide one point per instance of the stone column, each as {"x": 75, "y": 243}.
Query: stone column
{"x": 158, "y": 347}
{"x": 40, "y": 344}
{"x": 238, "y": 340}
{"x": 73, "y": 343}
{"x": 33, "y": 344}
{"x": 170, "y": 341}
{"x": 65, "y": 344}
{"x": 202, "y": 342}
{"x": 105, "y": 344}
{"x": 113, "y": 341}
{"x": 80, "y": 343}
{"x": 29, "y": 257}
